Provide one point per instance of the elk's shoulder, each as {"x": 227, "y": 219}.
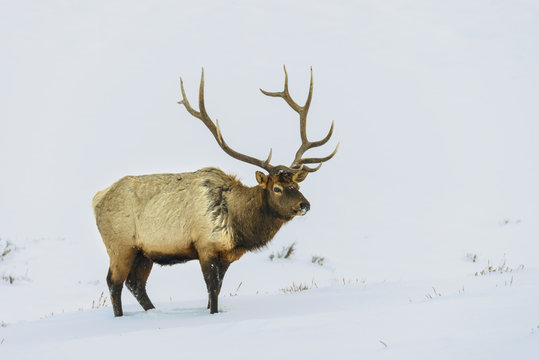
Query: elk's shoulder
{"x": 215, "y": 176}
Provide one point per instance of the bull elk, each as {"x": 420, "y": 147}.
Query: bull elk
{"x": 206, "y": 215}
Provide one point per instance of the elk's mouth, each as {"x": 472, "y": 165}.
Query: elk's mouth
{"x": 303, "y": 209}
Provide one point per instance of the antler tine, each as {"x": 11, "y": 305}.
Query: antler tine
{"x": 325, "y": 139}
{"x": 216, "y": 131}
{"x": 319, "y": 160}
{"x": 284, "y": 94}
{"x": 308, "y": 169}
{"x": 303, "y": 119}
{"x": 185, "y": 102}
{"x": 201, "y": 105}
{"x": 302, "y": 111}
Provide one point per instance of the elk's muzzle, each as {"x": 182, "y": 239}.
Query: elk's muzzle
{"x": 304, "y": 207}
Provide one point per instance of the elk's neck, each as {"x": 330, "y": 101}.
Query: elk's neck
{"x": 253, "y": 221}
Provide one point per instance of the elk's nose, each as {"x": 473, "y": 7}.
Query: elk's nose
{"x": 304, "y": 207}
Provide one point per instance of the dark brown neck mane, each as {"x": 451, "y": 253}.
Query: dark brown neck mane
{"x": 253, "y": 221}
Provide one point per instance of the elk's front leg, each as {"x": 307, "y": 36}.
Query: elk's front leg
{"x": 222, "y": 270}
{"x": 213, "y": 271}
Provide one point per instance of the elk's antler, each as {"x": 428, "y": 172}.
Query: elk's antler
{"x": 298, "y": 164}
{"x": 305, "y": 143}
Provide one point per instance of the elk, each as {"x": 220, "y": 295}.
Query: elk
{"x": 205, "y": 215}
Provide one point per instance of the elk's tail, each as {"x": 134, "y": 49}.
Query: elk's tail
{"x": 98, "y": 197}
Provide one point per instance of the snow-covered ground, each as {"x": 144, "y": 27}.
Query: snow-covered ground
{"x": 454, "y": 315}
{"x": 427, "y": 218}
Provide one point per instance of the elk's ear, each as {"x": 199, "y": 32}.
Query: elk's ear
{"x": 299, "y": 176}
{"x": 262, "y": 179}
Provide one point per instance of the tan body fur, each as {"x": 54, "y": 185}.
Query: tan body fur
{"x": 148, "y": 214}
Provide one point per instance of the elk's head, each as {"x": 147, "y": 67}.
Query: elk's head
{"x": 282, "y": 193}
{"x": 281, "y": 184}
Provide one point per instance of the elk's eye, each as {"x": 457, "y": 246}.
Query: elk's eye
{"x": 277, "y": 189}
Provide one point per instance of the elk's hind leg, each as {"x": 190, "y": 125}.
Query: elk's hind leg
{"x": 136, "y": 280}
{"x": 120, "y": 264}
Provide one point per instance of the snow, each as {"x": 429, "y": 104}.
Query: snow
{"x": 478, "y": 317}
{"x": 435, "y": 107}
